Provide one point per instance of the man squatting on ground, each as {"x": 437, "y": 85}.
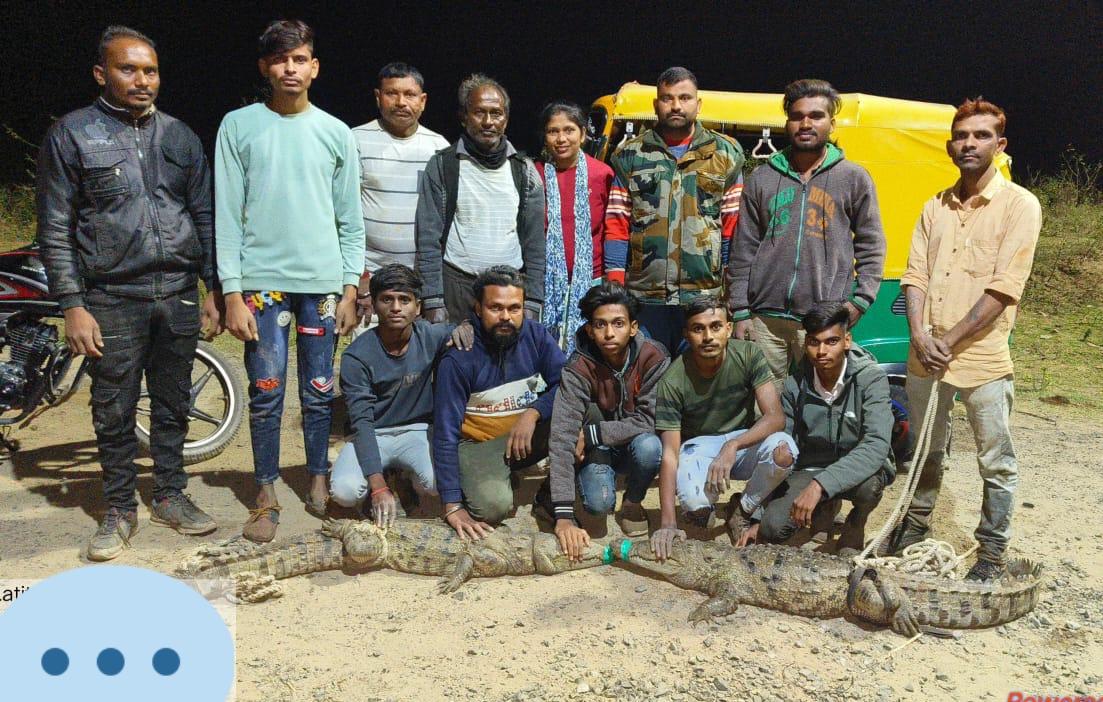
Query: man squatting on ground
{"x": 124, "y": 222}
{"x": 480, "y": 204}
{"x": 673, "y": 209}
{"x": 386, "y": 379}
{"x": 809, "y": 231}
{"x": 707, "y": 399}
{"x": 838, "y": 412}
{"x": 493, "y": 405}
{"x": 970, "y": 257}
{"x": 290, "y": 244}
{"x": 393, "y": 151}
{"x": 603, "y": 420}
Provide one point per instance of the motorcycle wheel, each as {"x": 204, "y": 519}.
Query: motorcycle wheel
{"x": 216, "y": 407}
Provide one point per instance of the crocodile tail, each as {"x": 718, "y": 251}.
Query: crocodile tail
{"x": 1022, "y": 586}
{"x": 304, "y": 554}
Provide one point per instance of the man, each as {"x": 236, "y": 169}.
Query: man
{"x": 971, "y": 254}
{"x": 838, "y": 411}
{"x": 386, "y": 376}
{"x": 707, "y": 400}
{"x": 675, "y": 203}
{"x": 493, "y": 405}
{"x": 480, "y": 204}
{"x": 290, "y": 244}
{"x": 127, "y": 282}
{"x": 393, "y": 151}
{"x": 810, "y": 231}
{"x": 606, "y": 399}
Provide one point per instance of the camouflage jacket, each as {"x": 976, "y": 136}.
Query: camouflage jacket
{"x": 669, "y": 222}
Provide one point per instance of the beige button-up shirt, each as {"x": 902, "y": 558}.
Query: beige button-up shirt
{"x": 958, "y": 253}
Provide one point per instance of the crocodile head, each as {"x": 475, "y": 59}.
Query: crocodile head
{"x": 692, "y": 564}
{"x": 364, "y": 543}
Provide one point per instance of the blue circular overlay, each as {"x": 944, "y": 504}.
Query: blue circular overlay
{"x": 110, "y": 632}
{"x": 55, "y": 662}
{"x": 110, "y": 661}
{"x": 166, "y": 661}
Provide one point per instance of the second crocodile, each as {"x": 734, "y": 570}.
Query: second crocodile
{"x": 811, "y": 584}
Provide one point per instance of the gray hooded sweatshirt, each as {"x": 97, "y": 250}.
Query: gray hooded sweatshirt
{"x": 799, "y": 243}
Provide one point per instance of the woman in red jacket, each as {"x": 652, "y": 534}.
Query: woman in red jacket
{"x": 577, "y": 191}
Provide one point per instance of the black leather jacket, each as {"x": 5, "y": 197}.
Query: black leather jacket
{"x": 124, "y": 205}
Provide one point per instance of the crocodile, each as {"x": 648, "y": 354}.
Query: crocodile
{"x": 812, "y": 584}
{"x": 410, "y": 546}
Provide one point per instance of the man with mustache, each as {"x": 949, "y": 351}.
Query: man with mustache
{"x": 290, "y": 246}
{"x": 971, "y": 255}
{"x": 705, "y": 416}
{"x": 126, "y": 279}
{"x": 672, "y": 209}
{"x": 480, "y": 204}
{"x": 493, "y": 405}
{"x": 393, "y": 151}
{"x": 809, "y": 231}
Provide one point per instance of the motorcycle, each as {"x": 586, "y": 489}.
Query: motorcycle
{"x": 40, "y": 369}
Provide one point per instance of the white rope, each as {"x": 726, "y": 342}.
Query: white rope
{"x": 928, "y": 557}
{"x": 939, "y": 553}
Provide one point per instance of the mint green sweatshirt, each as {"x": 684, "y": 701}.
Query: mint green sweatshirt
{"x": 287, "y": 202}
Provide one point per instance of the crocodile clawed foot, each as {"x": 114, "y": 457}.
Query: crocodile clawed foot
{"x": 904, "y": 622}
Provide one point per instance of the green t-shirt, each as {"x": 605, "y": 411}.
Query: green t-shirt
{"x": 717, "y": 405}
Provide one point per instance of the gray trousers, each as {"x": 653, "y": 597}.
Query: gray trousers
{"x": 777, "y": 527}
{"x": 459, "y": 299}
{"x": 989, "y": 410}
{"x": 403, "y": 448}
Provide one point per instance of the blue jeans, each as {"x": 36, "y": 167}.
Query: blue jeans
{"x": 755, "y": 464}
{"x": 266, "y": 366}
{"x": 640, "y": 459}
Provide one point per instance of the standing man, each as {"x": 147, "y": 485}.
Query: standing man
{"x": 603, "y": 421}
{"x": 673, "y": 209}
{"x": 124, "y": 221}
{"x": 970, "y": 258}
{"x": 393, "y": 151}
{"x": 480, "y": 204}
{"x": 705, "y": 415}
{"x": 810, "y": 232}
{"x": 493, "y": 405}
{"x": 290, "y": 244}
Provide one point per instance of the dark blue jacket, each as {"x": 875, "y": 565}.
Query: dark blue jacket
{"x": 461, "y": 373}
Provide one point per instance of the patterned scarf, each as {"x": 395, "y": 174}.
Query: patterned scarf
{"x": 561, "y": 314}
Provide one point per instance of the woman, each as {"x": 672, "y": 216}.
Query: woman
{"x": 577, "y": 190}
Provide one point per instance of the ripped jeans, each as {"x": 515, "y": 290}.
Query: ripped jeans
{"x": 266, "y": 366}
{"x": 755, "y": 464}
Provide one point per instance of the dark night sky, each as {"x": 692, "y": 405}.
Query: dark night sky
{"x": 1043, "y": 62}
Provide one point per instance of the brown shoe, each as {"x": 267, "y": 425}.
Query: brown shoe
{"x": 632, "y": 519}
{"x": 261, "y": 526}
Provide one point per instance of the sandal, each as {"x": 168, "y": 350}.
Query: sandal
{"x": 261, "y": 526}
{"x": 317, "y": 507}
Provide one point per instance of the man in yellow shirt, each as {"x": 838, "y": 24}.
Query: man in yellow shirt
{"x": 971, "y": 254}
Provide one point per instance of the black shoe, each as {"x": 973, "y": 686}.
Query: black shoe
{"x": 178, "y": 512}
{"x": 543, "y": 510}
{"x": 902, "y": 537}
{"x": 113, "y": 534}
{"x": 986, "y": 571}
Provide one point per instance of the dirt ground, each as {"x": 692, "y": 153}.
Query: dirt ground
{"x": 600, "y": 633}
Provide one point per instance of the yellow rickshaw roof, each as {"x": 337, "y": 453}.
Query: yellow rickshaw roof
{"x": 634, "y": 101}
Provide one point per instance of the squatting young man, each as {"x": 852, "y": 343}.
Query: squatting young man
{"x": 705, "y": 414}
{"x": 606, "y": 399}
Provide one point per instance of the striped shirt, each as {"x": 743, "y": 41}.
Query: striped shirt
{"x": 484, "y": 231}
{"x": 389, "y": 169}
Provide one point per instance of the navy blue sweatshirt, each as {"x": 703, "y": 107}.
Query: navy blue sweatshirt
{"x": 382, "y": 390}
{"x": 460, "y": 373}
